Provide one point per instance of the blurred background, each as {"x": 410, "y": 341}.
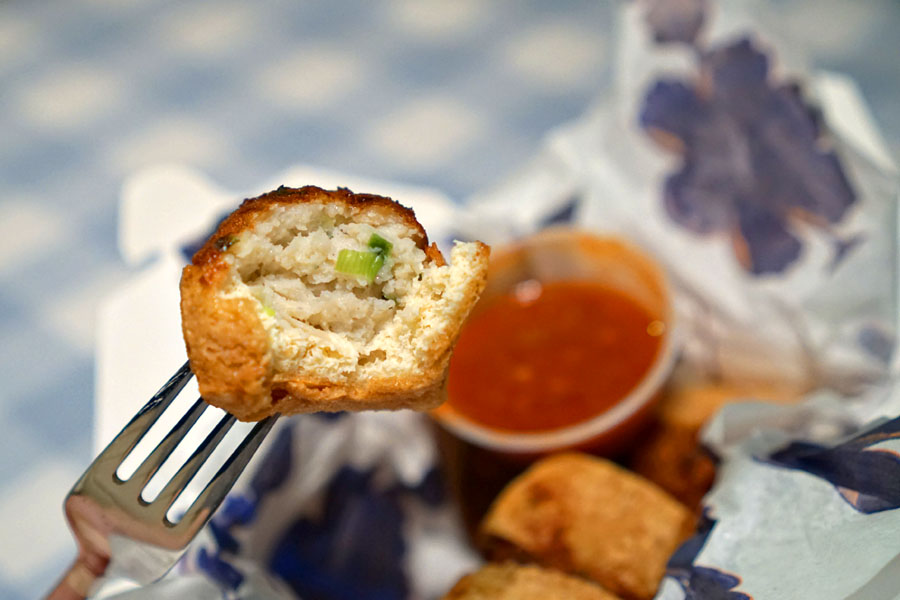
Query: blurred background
{"x": 453, "y": 95}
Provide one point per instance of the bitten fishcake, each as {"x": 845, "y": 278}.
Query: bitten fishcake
{"x": 308, "y": 300}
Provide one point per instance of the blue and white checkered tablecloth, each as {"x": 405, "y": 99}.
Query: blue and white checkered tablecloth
{"x": 448, "y": 94}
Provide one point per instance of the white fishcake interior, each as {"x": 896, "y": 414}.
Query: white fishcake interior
{"x": 319, "y": 319}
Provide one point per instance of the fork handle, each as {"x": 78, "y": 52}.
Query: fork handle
{"x": 75, "y": 584}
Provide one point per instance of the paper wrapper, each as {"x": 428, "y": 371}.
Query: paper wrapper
{"x": 766, "y": 193}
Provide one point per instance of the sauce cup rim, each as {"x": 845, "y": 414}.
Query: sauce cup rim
{"x": 519, "y": 442}
{"x": 540, "y": 442}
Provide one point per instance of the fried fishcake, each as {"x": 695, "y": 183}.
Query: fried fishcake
{"x": 510, "y": 581}
{"x": 309, "y": 300}
{"x": 587, "y": 516}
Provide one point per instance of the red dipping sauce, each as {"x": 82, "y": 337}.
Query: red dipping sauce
{"x": 547, "y": 356}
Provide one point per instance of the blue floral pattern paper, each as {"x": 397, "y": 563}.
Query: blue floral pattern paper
{"x": 336, "y": 507}
{"x": 776, "y": 222}
{"x": 864, "y": 471}
{"x": 756, "y": 162}
{"x": 699, "y": 582}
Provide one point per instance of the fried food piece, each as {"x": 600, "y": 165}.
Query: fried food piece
{"x": 309, "y": 300}
{"x": 673, "y": 459}
{"x": 672, "y": 456}
{"x": 509, "y": 581}
{"x": 689, "y": 405}
{"x": 587, "y": 516}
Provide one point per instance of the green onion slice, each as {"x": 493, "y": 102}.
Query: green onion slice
{"x": 356, "y": 262}
{"x": 365, "y": 263}
{"x": 380, "y": 245}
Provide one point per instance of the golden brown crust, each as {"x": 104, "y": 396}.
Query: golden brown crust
{"x": 673, "y": 459}
{"x": 509, "y": 581}
{"x": 252, "y": 209}
{"x": 588, "y": 517}
{"x": 434, "y": 255}
{"x": 226, "y": 342}
{"x": 228, "y": 346}
{"x": 305, "y": 395}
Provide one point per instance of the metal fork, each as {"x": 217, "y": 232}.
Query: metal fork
{"x": 113, "y": 524}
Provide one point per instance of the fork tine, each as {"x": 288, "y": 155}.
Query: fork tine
{"x": 187, "y": 471}
{"x": 154, "y": 461}
{"x": 210, "y": 498}
{"x": 131, "y": 434}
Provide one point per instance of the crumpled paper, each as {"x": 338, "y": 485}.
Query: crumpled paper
{"x": 766, "y": 193}
{"x": 776, "y": 223}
